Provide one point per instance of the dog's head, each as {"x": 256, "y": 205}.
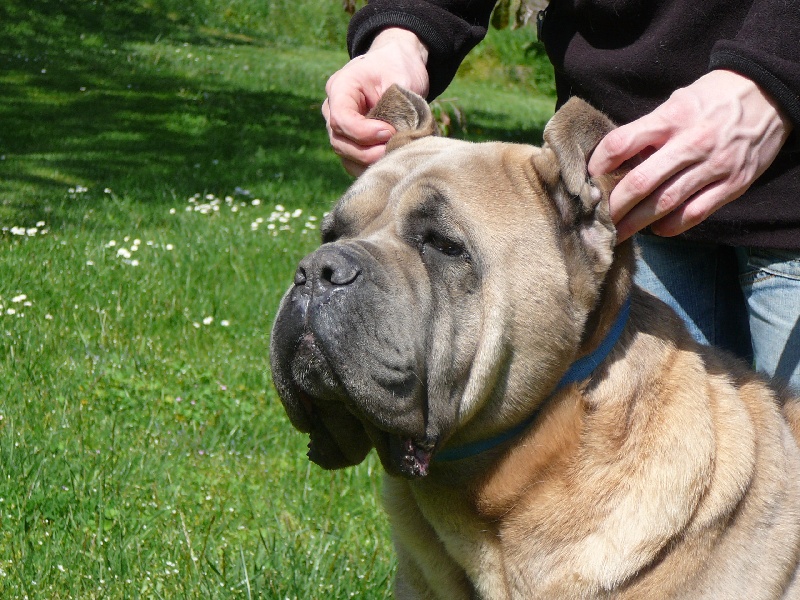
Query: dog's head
{"x": 455, "y": 284}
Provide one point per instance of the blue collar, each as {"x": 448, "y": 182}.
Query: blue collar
{"x": 580, "y": 370}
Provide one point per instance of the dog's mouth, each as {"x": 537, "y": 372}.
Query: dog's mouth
{"x": 333, "y": 443}
{"x": 411, "y": 459}
{"x": 333, "y": 420}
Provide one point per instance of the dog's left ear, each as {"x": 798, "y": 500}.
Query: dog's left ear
{"x": 572, "y": 134}
{"x": 407, "y": 112}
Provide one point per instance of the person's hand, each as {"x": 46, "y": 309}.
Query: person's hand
{"x": 702, "y": 148}
{"x": 395, "y": 56}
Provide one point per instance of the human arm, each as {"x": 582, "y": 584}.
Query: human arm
{"x": 710, "y": 140}
{"x": 395, "y": 56}
{"x": 707, "y": 144}
{"x": 416, "y": 44}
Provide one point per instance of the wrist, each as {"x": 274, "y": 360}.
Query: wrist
{"x": 402, "y": 40}
{"x": 752, "y": 91}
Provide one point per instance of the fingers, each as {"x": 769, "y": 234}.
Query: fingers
{"x": 702, "y": 149}
{"x": 662, "y": 182}
{"x": 681, "y": 202}
{"x": 356, "y": 158}
{"x": 628, "y": 141}
{"x": 357, "y": 140}
{"x": 678, "y": 178}
{"x": 693, "y": 211}
{"x": 647, "y": 138}
{"x": 395, "y": 56}
{"x": 344, "y": 114}
{"x": 690, "y": 213}
{"x": 676, "y": 188}
{"x": 353, "y": 168}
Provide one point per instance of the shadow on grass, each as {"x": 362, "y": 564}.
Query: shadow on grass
{"x": 30, "y": 25}
{"x": 82, "y": 104}
{"x": 79, "y": 107}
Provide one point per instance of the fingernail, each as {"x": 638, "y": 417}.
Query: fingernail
{"x": 384, "y": 135}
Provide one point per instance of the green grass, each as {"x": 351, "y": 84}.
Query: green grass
{"x": 143, "y": 451}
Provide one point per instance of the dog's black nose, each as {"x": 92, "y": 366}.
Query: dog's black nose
{"x": 330, "y": 266}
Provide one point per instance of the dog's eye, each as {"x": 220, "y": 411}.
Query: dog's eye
{"x": 443, "y": 245}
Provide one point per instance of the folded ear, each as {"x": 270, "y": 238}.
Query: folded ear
{"x": 573, "y": 133}
{"x": 570, "y": 137}
{"x": 407, "y": 112}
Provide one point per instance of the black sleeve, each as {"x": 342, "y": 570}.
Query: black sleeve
{"x": 450, "y": 29}
{"x": 767, "y": 50}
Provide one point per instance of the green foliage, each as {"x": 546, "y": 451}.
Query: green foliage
{"x": 163, "y": 167}
{"x": 51, "y": 23}
{"x": 516, "y": 13}
{"x": 515, "y": 59}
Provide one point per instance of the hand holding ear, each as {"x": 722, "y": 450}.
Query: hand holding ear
{"x": 395, "y": 56}
{"x": 702, "y": 148}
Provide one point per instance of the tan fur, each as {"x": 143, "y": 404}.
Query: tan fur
{"x": 672, "y": 472}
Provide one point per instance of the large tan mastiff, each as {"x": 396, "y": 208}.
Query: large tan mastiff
{"x": 548, "y": 430}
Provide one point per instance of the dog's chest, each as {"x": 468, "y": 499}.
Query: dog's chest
{"x": 471, "y": 542}
{"x": 477, "y": 521}
{"x": 502, "y": 558}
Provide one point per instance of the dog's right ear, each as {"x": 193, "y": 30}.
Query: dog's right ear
{"x": 407, "y": 112}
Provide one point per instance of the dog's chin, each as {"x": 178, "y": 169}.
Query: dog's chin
{"x": 339, "y": 437}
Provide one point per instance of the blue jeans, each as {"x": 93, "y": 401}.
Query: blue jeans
{"x": 746, "y": 300}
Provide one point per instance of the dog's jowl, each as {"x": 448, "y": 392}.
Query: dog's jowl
{"x": 548, "y": 430}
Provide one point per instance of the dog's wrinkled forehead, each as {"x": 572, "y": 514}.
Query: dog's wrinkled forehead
{"x": 376, "y": 195}
{"x": 473, "y": 180}
{"x": 501, "y": 182}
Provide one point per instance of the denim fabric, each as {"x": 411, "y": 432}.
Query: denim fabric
{"x": 746, "y": 300}
{"x": 770, "y": 281}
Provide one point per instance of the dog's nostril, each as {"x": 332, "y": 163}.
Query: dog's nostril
{"x": 330, "y": 266}
{"x": 339, "y": 275}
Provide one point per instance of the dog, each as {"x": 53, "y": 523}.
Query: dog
{"x": 548, "y": 429}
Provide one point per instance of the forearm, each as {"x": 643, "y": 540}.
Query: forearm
{"x": 448, "y": 30}
{"x": 402, "y": 40}
{"x": 766, "y": 50}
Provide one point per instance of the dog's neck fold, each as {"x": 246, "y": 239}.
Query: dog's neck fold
{"x": 580, "y": 370}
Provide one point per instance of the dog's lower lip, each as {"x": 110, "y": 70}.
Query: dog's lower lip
{"x": 411, "y": 458}
{"x": 308, "y": 341}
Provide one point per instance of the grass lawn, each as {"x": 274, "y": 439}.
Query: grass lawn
{"x": 163, "y": 167}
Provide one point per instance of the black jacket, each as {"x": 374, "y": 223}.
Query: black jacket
{"x": 626, "y": 57}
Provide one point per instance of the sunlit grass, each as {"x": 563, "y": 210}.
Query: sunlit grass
{"x": 141, "y": 447}
{"x": 161, "y": 173}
